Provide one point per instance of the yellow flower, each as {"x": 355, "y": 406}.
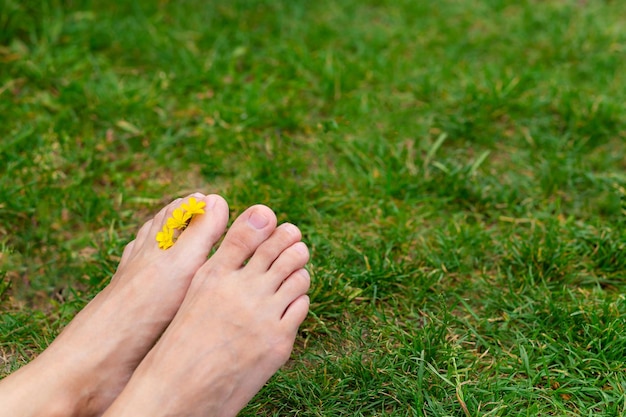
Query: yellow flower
{"x": 179, "y": 219}
{"x": 193, "y": 207}
{"x": 165, "y": 238}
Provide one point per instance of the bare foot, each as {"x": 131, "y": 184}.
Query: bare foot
{"x": 91, "y": 361}
{"x": 234, "y": 330}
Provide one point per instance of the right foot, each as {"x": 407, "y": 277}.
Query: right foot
{"x": 234, "y": 330}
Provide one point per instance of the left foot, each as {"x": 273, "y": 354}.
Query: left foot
{"x": 88, "y": 365}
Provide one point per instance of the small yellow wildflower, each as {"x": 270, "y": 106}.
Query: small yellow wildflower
{"x": 165, "y": 238}
{"x": 178, "y": 221}
{"x": 194, "y": 207}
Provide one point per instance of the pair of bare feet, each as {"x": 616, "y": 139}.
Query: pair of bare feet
{"x": 175, "y": 333}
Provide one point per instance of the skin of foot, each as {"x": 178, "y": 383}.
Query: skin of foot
{"x": 234, "y": 330}
{"x": 90, "y": 362}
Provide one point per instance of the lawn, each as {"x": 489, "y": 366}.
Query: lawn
{"x": 458, "y": 169}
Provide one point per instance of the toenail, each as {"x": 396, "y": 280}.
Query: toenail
{"x": 290, "y": 229}
{"x": 301, "y": 247}
{"x": 210, "y": 202}
{"x": 305, "y": 274}
{"x": 258, "y": 220}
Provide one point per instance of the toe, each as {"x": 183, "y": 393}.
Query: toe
{"x": 296, "y": 285}
{"x": 160, "y": 220}
{"x": 127, "y": 254}
{"x": 295, "y": 314}
{"x": 250, "y": 229}
{"x": 143, "y": 233}
{"x": 290, "y": 260}
{"x": 205, "y": 229}
{"x": 282, "y": 238}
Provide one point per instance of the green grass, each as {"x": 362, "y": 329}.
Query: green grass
{"x": 457, "y": 168}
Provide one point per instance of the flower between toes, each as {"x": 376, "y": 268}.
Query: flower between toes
{"x": 165, "y": 238}
{"x": 179, "y": 219}
{"x": 178, "y": 222}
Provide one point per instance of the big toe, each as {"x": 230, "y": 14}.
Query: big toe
{"x": 246, "y": 234}
{"x": 204, "y": 230}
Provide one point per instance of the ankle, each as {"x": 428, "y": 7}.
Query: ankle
{"x": 75, "y": 382}
{"x": 35, "y": 391}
